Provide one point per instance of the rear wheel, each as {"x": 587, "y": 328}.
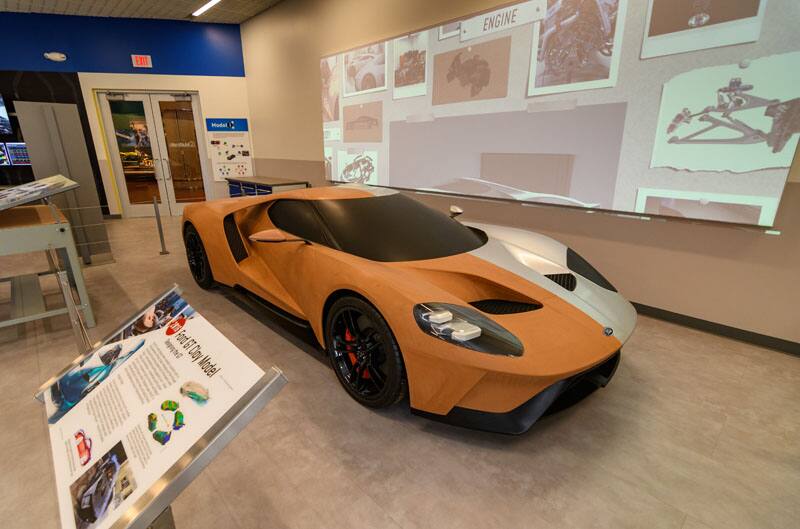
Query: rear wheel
{"x": 198, "y": 260}
{"x": 364, "y": 353}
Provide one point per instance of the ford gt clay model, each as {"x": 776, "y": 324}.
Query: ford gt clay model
{"x": 482, "y": 326}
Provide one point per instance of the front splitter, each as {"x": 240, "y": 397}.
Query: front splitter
{"x": 556, "y": 397}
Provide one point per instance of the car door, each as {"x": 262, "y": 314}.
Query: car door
{"x": 279, "y": 267}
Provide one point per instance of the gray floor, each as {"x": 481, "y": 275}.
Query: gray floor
{"x": 695, "y": 432}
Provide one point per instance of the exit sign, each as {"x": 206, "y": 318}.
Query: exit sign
{"x": 142, "y": 61}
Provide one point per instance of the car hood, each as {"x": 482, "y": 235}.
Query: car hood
{"x": 513, "y": 265}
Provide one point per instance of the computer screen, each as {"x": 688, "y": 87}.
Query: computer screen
{"x": 18, "y": 153}
{"x": 5, "y": 123}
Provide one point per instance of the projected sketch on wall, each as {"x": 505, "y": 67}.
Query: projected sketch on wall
{"x": 458, "y": 109}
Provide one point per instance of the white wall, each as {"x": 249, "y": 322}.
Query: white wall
{"x": 220, "y": 97}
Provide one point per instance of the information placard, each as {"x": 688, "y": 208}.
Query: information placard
{"x": 124, "y": 415}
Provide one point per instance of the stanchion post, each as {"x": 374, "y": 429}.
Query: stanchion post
{"x": 160, "y": 228}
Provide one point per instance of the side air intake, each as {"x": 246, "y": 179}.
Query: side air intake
{"x": 235, "y": 243}
{"x": 567, "y": 281}
{"x": 501, "y": 306}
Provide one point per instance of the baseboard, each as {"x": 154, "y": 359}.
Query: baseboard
{"x": 754, "y": 338}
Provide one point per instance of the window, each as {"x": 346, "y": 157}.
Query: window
{"x": 298, "y": 218}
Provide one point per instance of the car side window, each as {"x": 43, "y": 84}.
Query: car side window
{"x": 298, "y": 218}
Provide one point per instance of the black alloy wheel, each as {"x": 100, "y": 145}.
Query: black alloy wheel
{"x": 364, "y": 353}
{"x": 198, "y": 260}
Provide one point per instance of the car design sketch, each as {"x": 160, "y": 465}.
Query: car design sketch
{"x": 362, "y": 122}
{"x": 367, "y": 71}
{"x": 733, "y": 98}
{"x": 482, "y": 326}
{"x": 474, "y": 72}
{"x": 360, "y": 170}
{"x": 94, "y": 501}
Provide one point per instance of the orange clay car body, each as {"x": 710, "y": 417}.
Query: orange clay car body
{"x": 560, "y": 339}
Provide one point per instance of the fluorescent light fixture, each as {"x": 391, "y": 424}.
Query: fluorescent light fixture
{"x": 205, "y": 8}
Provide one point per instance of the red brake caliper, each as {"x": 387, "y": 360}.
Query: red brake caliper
{"x": 348, "y": 337}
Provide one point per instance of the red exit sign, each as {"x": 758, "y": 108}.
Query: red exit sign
{"x": 142, "y": 61}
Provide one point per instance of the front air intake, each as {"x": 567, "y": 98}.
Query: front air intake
{"x": 567, "y": 281}
{"x": 502, "y": 306}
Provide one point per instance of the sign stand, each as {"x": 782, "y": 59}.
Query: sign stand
{"x": 152, "y": 510}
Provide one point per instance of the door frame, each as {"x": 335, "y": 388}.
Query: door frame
{"x": 168, "y": 204}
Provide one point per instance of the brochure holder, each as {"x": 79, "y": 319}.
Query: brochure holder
{"x": 151, "y": 509}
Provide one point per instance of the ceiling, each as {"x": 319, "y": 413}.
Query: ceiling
{"x": 227, "y": 11}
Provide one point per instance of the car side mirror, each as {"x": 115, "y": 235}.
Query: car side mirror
{"x": 455, "y": 211}
{"x": 273, "y": 235}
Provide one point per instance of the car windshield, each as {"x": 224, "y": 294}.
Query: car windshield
{"x": 395, "y": 228}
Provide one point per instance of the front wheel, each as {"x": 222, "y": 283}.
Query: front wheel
{"x": 364, "y": 353}
{"x": 198, "y": 260}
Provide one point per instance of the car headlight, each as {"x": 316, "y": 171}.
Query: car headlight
{"x": 466, "y": 327}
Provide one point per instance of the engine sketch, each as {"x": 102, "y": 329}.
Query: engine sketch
{"x": 359, "y": 171}
{"x": 474, "y": 72}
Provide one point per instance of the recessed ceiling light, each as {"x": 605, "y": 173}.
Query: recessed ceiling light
{"x": 205, "y": 8}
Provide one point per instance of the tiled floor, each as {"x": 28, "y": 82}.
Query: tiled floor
{"x": 695, "y": 432}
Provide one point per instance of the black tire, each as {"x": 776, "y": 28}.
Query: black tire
{"x": 197, "y": 258}
{"x": 364, "y": 354}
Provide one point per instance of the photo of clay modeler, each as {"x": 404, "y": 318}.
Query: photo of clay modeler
{"x": 362, "y": 122}
{"x": 94, "y": 500}
{"x": 733, "y": 98}
{"x": 474, "y": 72}
{"x": 359, "y": 170}
{"x": 410, "y": 69}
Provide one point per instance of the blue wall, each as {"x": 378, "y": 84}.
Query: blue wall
{"x": 95, "y": 44}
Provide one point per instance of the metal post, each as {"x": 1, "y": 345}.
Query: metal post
{"x": 160, "y": 229}
{"x": 165, "y": 520}
{"x": 78, "y": 329}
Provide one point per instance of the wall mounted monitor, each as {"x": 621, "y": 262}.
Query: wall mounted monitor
{"x": 5, "y": 123}
{"x": 4, "y": 155}
{"x": 545, "y": 102}
{"x": 18, "y": 153}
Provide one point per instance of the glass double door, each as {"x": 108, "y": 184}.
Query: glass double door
{"x": 154, "y": 150}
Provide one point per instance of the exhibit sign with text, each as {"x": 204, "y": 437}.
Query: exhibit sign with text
{"x": 229, "y": 147}
{"x": 124, "y": 415}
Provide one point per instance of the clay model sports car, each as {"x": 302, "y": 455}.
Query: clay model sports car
{"x": 482, "y": 326}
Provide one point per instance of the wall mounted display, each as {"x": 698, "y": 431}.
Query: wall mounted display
{"x": 577, "y": 46}
{"x": 331, "y": 75}
{"x": 546, "y": 101}
{"x": 356, "y": 166}
{"x": 410, "y": 65}
{"x": 5, "y": 123}
{"x": 678, "y": 26}
{"x": 229, "y": 147}
{"x": 472, "y": 73}
{"x": 736, "y": 117}
{"x": 365, "y": 70}
{"x": 363, "y": 123}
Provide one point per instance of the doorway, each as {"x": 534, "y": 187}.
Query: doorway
{"x": 154, "y": 150}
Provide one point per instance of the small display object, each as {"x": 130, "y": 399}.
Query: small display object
{"x": 18, "y": 153}
{"x": 5, "y": 123}
{"x": 153, "y": 395}
{"x": 407, "y": 300}
{"x": 34, "y": 191}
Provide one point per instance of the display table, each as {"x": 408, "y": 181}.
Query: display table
{"x": 43, "y": 228}
{"x": 260, "y": 185}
